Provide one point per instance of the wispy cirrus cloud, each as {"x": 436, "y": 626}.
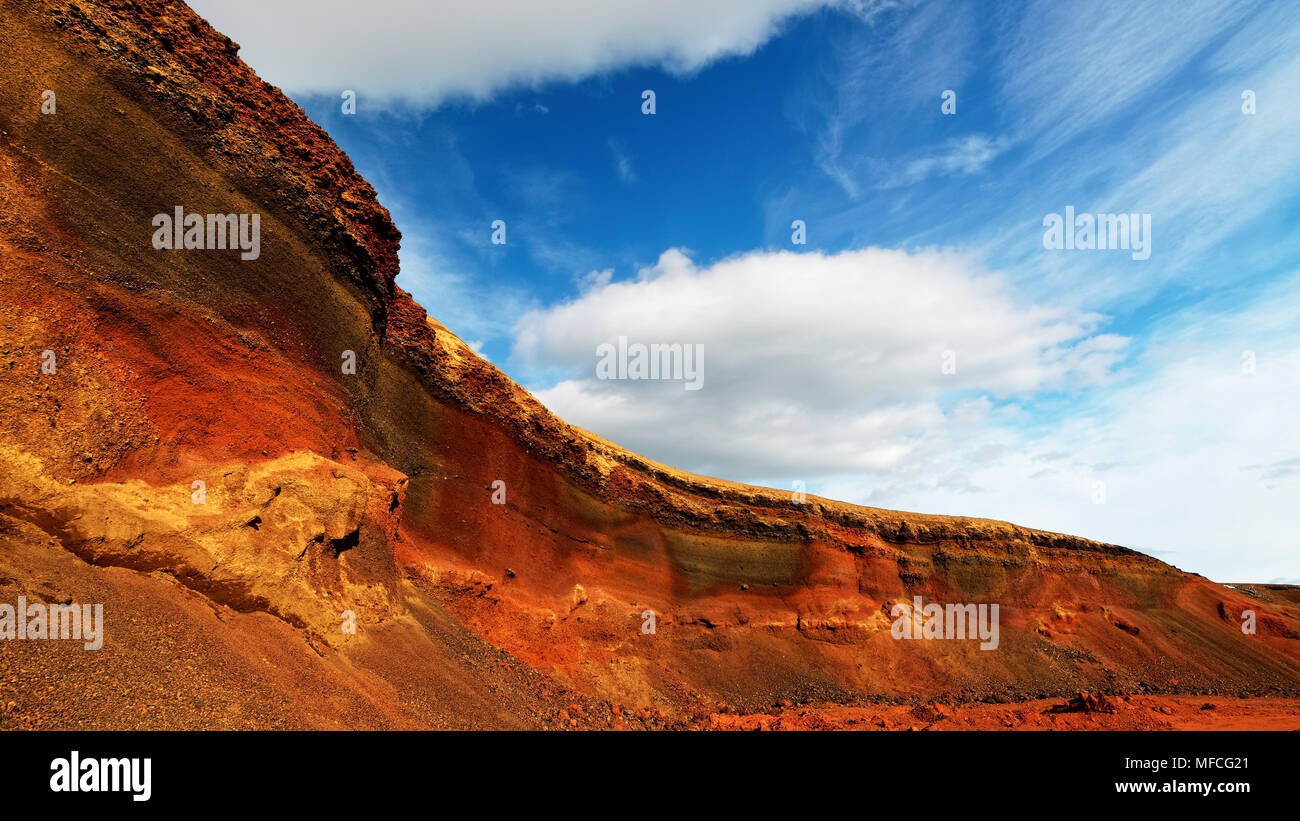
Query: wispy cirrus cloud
{"x": 1060, "y": 78}
{"x": 622, "y": 163}
{"x": 882, "y": 72}
{"x": 1207, "y": 174}
{"x": 959, "y": 157}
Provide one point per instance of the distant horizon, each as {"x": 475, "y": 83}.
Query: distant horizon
{"x": 850, "y": 208}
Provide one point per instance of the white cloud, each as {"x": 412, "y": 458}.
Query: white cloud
{"x": 423, "y": 52}
{"x": 814, "y": 364}
{"x": 958, "y": 157}
{"x": 826, "y": 369}
{"x": 622, "y": 163}
{"x": 594, "y": 279}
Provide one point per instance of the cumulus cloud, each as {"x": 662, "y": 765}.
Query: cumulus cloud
{"x": 422, "y": 53}
{"x": 814, "y": 364}
{"x": 827, "y": 369}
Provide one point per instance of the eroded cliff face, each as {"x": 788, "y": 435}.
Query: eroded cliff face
{"x": 199, "y": 460}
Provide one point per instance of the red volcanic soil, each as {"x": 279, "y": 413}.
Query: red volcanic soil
{"x": 327, "y": 493}
{"x": 1122, "y": 712}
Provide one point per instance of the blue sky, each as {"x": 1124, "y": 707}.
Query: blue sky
{"x": 1093, "y": 393}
